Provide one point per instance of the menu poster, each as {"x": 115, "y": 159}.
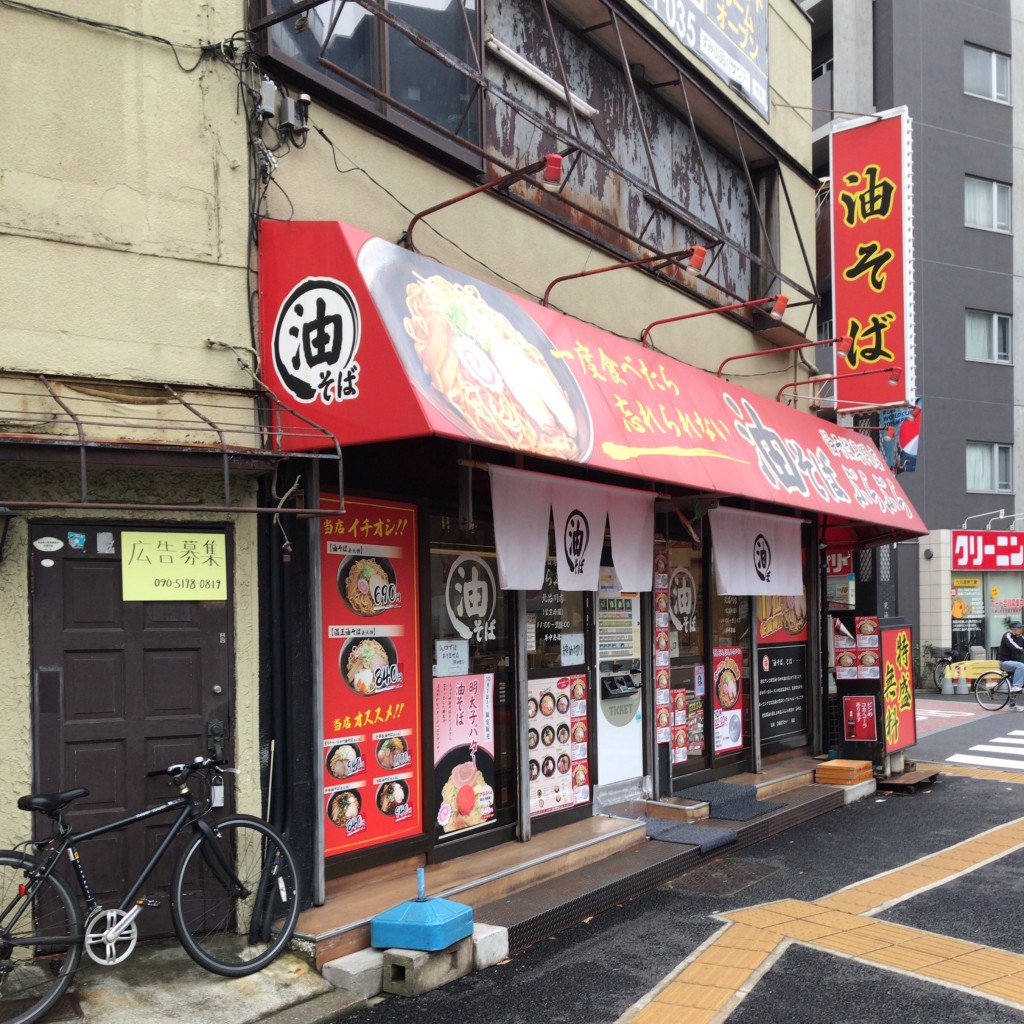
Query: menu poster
{"x": 728, "y": 698}
{"x": 781, "y": 619}
{"x": 695, "y": 726}
{"x": 557, "y": 738}
{"x": 663, "y": 653}
{"x": 680, "y": 744}
{"x": 464, "y": 751}
{"x": 371, "y": 692}
{"x": 859, "y": 722}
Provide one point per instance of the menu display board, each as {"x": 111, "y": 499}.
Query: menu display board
{"x": 371, "y": 688}
{"x": 728, "y": 698}
{"x": 663, "y": 653}
{"x": 464, "y": 751}
{"x": 782, "y": 657}
{"x": 556, "y": 711}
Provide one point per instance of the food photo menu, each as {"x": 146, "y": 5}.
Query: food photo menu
{"x": 371, "y": 691}
{"x": 556, "y": 713}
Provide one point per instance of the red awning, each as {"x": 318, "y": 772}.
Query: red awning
{"x": 378, "y": 343}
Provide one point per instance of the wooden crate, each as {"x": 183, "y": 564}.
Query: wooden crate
{"x": 843, "y": 773}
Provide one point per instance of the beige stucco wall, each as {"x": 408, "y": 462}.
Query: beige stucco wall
{"x": 123, "y": 203}
{"x": 47, "y": 483}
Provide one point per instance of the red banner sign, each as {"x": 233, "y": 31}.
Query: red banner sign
{"x": 371, "y": 688}
{"x": 872, "y": 259}
{"x": 376, "y": 343}
{"x": 898, "y": 712}
{"x": 988, "y": 549}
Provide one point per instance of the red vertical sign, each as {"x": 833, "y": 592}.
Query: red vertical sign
{"x": 371, "y": 687}
{"x": 898, "y": 713}
{"x": 872, "y": 259}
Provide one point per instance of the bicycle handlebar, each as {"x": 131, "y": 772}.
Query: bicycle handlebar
{"x": 180, "y": 772}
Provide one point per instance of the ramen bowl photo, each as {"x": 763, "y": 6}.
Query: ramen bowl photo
{"x": 344, "y": 806}
{"x": 367, "y": 585}
{"x": 369, "y": 665}
{"x": 477, "y": 356}
{"x": 727, "y": 684}
{"x": 341, "y": 760}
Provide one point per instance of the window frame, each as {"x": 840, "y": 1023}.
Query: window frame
{"x": 994, "y": 63}
{"x": 993, "y": 337}
{"x": 995, "y": 449}
{"x": 995, "y": 187}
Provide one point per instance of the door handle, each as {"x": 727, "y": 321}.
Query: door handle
{"x": 215, "y": 738}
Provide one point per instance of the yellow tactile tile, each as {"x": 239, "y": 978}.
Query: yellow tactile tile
{"x": 759, "y": 917}
{"x": 903, "y": 957}
{"x": 837, "y": 920}
{"x": 714, "y": 975}
{"x": 883, "y": 931}
{"x": 666, "y": 1013}
{"x": 702, "y": 997}
{"x": 995, "y": 959}
{"x": 941, "y": 945}
{"x": 744, "y": 936}
{"x": 962, "y": 974}
{"x": 804, "y": 931}
{"x": 850, "y": 901}
{"x": 792, "y": 908}
{"x": 853, "y": 943}
{"x": 1006, "y": 988}
{"x": 724, "y": 956}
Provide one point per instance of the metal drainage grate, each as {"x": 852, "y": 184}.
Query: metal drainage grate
{"x": 722, "y": 877}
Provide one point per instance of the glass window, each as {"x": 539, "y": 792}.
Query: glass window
{"x": 986, "y": 73}
{"x": 986, "y": 204}
{"x": 470, "y": 638}
{"x": 356, "y": 55}
{"x": 988, "y": 336}
{"x": 989, "y": 466}
{"x": 554, "y": 625}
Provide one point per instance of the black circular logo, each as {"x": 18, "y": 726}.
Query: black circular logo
{"x": 762, "y": 558}
{"x": 575, "y": 540}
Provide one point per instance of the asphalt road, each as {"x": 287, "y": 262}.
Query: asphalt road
{"x": 596, "y": 971}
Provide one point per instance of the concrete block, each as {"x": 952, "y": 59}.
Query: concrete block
{"x": 361, "y": 972}
{"x": 490, "y": 945}
{"x": 411, "y": 972}
{"x": 859, "y": 791}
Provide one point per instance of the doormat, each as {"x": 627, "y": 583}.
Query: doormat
{"x": 729, "y": 800}
{"x": 704, "y": 836}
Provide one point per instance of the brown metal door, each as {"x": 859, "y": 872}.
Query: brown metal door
{"x": 120, "y": 687}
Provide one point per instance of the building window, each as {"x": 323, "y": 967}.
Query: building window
{"x": 986, "y": 73}
{"x": 989, "y": 466}
{"x": 988, "y": 336}
{"x": 348, "y": 50}
{"x": 986, "y": 204}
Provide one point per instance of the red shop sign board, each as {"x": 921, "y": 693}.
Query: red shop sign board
{"x": 859, "y": 721}
{"x": 371, "y": 685}
{"x": 981, "y": 550}
{"x": 872, "y": 254}
{"x": 353, "y": 325}
{"x": 898, "y": 712}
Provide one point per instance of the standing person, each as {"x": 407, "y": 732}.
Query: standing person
{"x": 1011, "y": 659}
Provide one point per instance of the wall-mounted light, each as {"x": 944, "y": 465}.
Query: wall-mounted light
{"x": 778, "y": 304}
{"x": 538, "y": 77}
{"x": 550, "y": 164}
{"x": 929, "y": 554}
{"x": 842, "y": 344}
{"x": 694, "y": 255}
{"x": 894, "y": 372}
{"x": 999, "y": 513}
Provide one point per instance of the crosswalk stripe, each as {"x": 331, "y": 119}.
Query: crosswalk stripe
{"x": 984, "y": 762}
{"x": 996, "y": 749}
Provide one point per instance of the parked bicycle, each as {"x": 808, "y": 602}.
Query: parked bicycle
{"x": 992, "y": 689}
{"x": 948, "y": 658}
{"x": 234, "y": 896}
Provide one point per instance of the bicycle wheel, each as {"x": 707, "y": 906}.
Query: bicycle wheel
{"x": 40, "y": 941}
{"x": 992, "y": 690}
{"x": 235, "y": 899}
{"x": 939, "y": 672}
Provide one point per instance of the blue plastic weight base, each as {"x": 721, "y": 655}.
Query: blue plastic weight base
{"x": 425, "y": 924}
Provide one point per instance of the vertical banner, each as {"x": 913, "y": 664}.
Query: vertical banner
{"x": 872, "y": 259}
{"x": 898, "y": 712}
{"x": 371, "y": 692}
{"x": 728, "y": 698}
{"x": 464, "y": 751}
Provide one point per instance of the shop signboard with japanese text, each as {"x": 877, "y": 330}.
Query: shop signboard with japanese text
{"x": 371, "y": 688}
{"x": 728, "y": 699}
{"x": 988, "y": 550}
{"x": 872, "y": 260}
{"x": 899, "y": 720}
{"x": 348, "y": 318}
{"x": 464, "y": 751}
{"x": 782, "y": 656}
{"x": 559, "y": 768}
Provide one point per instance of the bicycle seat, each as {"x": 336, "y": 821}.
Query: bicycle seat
{"x": 50, "y": 803}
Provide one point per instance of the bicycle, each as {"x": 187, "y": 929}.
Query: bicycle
{"x": 234, "y": 898}
{"x": 948, "y": 658}
{"x": 992, "y": 689}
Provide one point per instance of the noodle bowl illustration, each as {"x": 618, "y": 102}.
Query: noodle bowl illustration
{"x": 477, "y": 356}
